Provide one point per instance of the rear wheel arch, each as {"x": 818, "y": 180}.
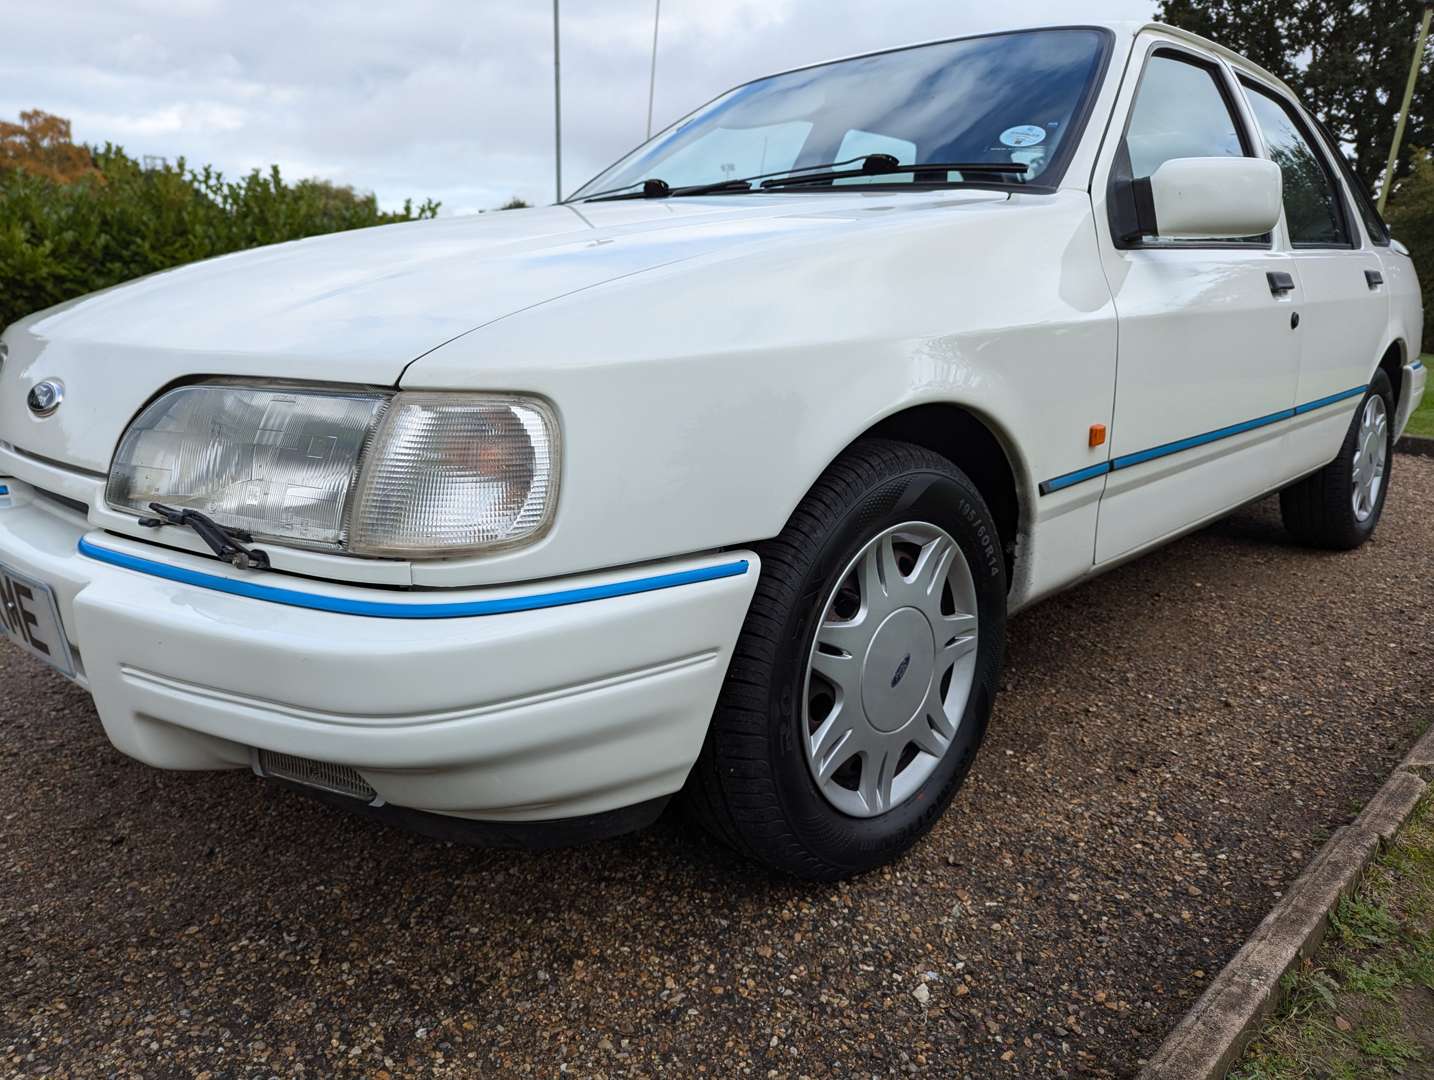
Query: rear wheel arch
{"x": 1392, "y": 364}
{"x": 1339, "y": 506}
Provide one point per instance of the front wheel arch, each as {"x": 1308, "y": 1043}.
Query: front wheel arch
{"x": 972, "y": 445}
{"x": 753, "y": 785}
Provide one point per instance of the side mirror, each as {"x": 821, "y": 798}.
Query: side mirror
{"x": 1209, "y": 198}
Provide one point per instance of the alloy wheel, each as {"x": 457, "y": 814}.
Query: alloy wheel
{"x": 1370, "y": 457}
{"x": 890, "y": 670}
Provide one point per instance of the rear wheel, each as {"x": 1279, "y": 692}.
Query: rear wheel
{"x": 860, "y": 687}
{"x": 1339, "y": 506}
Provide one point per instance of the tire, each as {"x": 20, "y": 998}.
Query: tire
{"x": 755, "y": 786}
{"x": 1324, "y": 510}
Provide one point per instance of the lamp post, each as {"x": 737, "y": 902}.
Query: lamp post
{"x": 557, "y": 108}
{"x": 652, "y": 79}
{"x": 1414, "y": 66}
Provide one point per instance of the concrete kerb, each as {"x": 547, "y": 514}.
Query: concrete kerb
{"x": 1415, "y": 444}
{"x": 1209, "y": 1040}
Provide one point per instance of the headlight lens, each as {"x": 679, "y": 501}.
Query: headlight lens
{"x": 407, "y": 475}
{"x": 277, "y": 463}
{"x": 452, "y": 473}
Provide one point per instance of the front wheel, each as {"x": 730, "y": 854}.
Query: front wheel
{"x": 1339, "y": 506}
{"x": 860, "y": 687}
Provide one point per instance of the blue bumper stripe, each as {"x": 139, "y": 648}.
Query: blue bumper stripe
{"x": 388, "y": 610}
{"x": 1125, "y": 461}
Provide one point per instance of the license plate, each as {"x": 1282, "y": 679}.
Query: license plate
{"x": 30, "y": 618}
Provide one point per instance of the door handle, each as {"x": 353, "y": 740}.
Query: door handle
{"x": 1280, "y": 282}
{"x": 1373, "y": 278}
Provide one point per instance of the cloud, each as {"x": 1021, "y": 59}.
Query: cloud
{"x": 444, "y": 98}
{"x": 188, "y": 118}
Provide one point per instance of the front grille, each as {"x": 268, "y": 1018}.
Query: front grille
{"x": 339, "y": 779}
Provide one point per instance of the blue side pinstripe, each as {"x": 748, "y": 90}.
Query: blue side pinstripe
{"x": 1125, "y": 461}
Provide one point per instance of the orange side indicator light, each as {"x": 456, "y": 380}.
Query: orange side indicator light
{"x": 1097, "y": 435}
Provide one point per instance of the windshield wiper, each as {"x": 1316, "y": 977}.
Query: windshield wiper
{"x": 225, "y": 542}
{"x": 655, "y": 188}
{"x": 891, "y": 167}
{"x": 651, "y": 189}
{"x": 871, "y": 165}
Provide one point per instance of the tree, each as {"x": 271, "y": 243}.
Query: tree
{"x": 1347, "y": 59}
{"x": 515, "y": 203}
{"x": 40, "y": 144}
{"x": 1411, "y": 219}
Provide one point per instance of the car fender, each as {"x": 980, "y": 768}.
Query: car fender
{"x": 699, "y": 401}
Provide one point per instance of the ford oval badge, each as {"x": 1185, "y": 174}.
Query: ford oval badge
{"x": 45, "y": 397}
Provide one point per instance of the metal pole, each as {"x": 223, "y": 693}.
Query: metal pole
{"x": 1414, "y": 66}
{"x": 652, "y": 80}
{"x": 557, "y": 107}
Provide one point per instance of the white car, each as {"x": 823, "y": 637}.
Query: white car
{"x": 723, "y": 475}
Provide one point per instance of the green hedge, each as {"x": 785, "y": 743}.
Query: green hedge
{"x": 1411, "y": 220}
{"x": 61, "y": 240}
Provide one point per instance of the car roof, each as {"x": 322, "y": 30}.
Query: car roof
{"x": 1235, "y": 59}
{"x": 1125, "y": 29}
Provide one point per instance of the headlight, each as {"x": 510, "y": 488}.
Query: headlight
{"x": 450, "y": 473}
{"x": 407, "y": 475}
{"x": 277, "y": 463}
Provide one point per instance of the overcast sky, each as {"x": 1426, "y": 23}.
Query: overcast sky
{"x": 449, "y": 99}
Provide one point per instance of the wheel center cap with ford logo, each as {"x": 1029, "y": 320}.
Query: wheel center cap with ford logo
{"x": 897, "y": 669}
{"x": 45, "y": 397}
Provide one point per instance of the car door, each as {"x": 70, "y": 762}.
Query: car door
{"x": 1344, "y": 301}
{"x": 1208, "y": 360}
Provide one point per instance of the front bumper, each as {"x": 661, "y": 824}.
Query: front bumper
{"x": 523, "y": 712}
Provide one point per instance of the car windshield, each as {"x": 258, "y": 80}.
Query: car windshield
{"x": 1004, "y": 99}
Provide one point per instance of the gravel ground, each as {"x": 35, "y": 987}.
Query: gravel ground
{"x": 1173, "y": 743}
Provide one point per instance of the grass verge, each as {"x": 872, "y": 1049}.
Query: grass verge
{"x": 1363, "y": 1006}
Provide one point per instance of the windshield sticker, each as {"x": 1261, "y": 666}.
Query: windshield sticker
{"x": 1023, "y": 135}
